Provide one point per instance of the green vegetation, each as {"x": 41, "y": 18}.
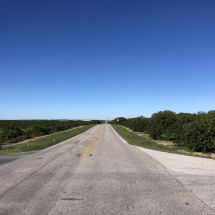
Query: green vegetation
{"x": 12, "y": 131}
{"x": 199, "y": 135}
{"x": 194, "y": 131}
{"x": 141, "y": 141}
{"x": 43, "y": 142}
{"x": 137, "y": 140}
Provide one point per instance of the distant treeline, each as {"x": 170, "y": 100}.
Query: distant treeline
{"x": 196, "y": 131}
{"x": 18, "y": 130}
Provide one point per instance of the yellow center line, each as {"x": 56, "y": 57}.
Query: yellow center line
{"x": 89, "y": 148}
{"x": 85, "y": 151}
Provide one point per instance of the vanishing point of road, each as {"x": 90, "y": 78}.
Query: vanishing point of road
{"x": 93, "y": 173}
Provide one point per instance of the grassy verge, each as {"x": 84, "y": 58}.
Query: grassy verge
{"x": 44, "y": 142}
{"x": 141, "y": 141}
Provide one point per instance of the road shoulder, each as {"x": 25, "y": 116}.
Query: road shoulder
{"x": 196, "y": 174}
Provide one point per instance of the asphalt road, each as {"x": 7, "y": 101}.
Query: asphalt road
{"x": 94, "y": 173}
{"x": 5, "y": 159}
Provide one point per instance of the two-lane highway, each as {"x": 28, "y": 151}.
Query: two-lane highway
{"x": 93, "y": 173}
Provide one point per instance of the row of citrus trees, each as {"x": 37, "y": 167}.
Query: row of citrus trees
{"x": 18, "y": 130}
{"x": 196, "y": 131}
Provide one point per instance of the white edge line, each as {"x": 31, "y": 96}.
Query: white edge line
{"x": 124, "y": 141}
{"x": 67, "y": 139}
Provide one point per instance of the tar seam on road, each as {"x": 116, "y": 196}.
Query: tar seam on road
{"x": 89, "y": 148}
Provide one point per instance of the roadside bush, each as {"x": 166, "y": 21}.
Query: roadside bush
{"x": 28, "y": 134}
{"x": 127, "y": 123}
{"x": 160, "y": 125}
{"x": 18, "y": 130}
{"x": 139, "y": 124}
{"x": 7, "y": 135}
{"x": 182, "y": 119}
{"x": 199, "y": 135}
{"x": 196, "y": 131}
{"x": 37, "y": 130}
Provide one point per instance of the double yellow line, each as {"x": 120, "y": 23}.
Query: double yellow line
{"x": 89, "y": 148}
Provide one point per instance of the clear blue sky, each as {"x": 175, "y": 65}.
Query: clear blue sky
{"x": 98, "y": 59}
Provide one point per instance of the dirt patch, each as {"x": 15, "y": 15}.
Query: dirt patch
{"x": 36, "y": 138}
{"x": 165, "y": 143}
{"x": 198, "y": 153}
{"x": 204, "y": 154}
{"x": 183, "y": 151}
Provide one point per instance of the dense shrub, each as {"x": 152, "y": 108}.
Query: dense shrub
{"x": 127, "y": 123}
{"x": 196, "y": 131}
{"x": 139, "y": 124}
{"x": 28, "y": 134}
{"x": 160, "y": 125}
{"x": 17, "y": 130}
{"x": 181, "y": 120}
{"x": 199, "y": 135}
